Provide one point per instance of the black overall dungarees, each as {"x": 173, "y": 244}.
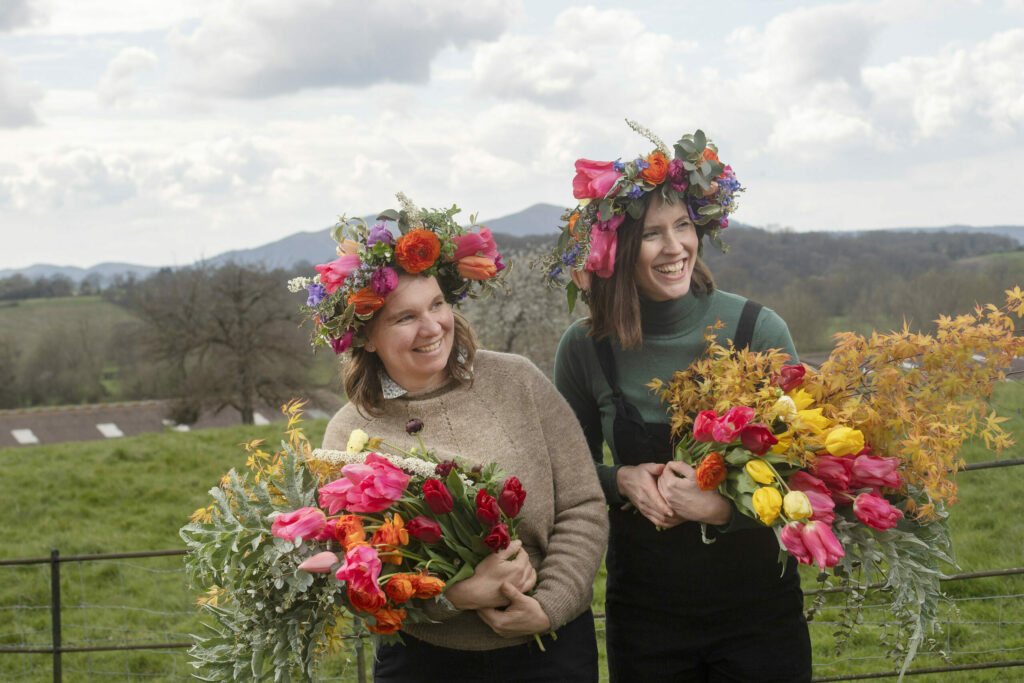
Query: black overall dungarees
{"x": 680, "y": 609}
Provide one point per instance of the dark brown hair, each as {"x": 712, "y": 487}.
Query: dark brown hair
{"x": 362, "y": 371}
{"x": 615, "y": 300}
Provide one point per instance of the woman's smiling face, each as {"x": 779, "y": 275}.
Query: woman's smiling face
{"x": 668, "y": 251}
{"x": 413, "y": 333}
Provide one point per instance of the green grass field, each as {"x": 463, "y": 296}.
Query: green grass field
{"x": 134, "y": 494}
{"x": 32, "y": 317}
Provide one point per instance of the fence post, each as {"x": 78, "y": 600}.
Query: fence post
{"x": 55, "y": 612}
{"x": 360, "y": 660}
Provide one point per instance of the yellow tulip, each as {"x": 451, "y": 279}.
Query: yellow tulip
{"x": 767, "y": 503}
{"x": 785, "y": 441}
{"x": 357, "y": 440}
{"x": 812, "y": 420}
{"x": 802, "y": 399}
{"x": 760, "y": 471}
{"x": 844, "y": 441}
{"x": 797, "y": 505}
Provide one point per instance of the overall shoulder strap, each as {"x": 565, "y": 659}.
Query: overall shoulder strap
{"x": 607, "y": 361}
{"x": 745, "y": 327}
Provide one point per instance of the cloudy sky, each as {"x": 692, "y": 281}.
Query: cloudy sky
{"x": 160, "y": 132}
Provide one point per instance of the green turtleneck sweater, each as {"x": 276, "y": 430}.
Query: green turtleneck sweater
{"x": 673, "y": 336}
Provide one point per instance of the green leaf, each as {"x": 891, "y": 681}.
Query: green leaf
{"x": 388, "y": 215}
{"x": 689, "y": 166}
{"x": 635, "y": 209}
{"x": 606, "y": 209}
{"x": 700, "y": 141}
{"x": 563, "y": 240}
{"x": 571, "y": 292}
{"x": 713, "y": 210}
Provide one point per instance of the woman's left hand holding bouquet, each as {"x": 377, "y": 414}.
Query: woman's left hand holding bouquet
{"x": 523, "y": 617}
{"x": 510, "y": 566}
{"x": 678, "y": 486}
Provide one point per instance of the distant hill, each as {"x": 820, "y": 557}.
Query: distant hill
{"x": 518, "y": 230}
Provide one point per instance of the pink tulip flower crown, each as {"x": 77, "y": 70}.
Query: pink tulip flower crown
{"x": 608, "y": 191}
{"x": 347, "y": 292}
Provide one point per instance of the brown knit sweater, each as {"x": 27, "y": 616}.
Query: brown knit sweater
{"x": 511, "y": 415}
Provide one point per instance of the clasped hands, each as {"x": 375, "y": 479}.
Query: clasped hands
{"x": 497, "y": 591}
{"x": 668, "y": 494}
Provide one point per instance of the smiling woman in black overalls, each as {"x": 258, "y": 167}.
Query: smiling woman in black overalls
{"x": 695, "y": 590}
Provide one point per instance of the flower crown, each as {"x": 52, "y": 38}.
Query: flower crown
{"x": 610, "y": 190}
{"x": 348, "y": 291}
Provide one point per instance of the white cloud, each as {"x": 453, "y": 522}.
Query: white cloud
{"x": 119, "y": 82}
{"x": 17, "y": 13}
{"x": 17, "y": 99}
{"x": 266, "y": 48}
{"x": 589, "y": 54}
{"x": 76, "y": 177}
{"x": 956, "y": 91}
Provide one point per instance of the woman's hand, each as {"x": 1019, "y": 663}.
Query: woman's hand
{"x": 678, "y": 486}
{"x": 523, "y": 616}
{"x": 484, "y": 588}
{"x": 639, "y": 483}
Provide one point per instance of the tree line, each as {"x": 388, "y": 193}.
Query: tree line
{"x": 212, "y": 337}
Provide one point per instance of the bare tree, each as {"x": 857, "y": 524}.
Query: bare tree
{"x": 229, "y": 336}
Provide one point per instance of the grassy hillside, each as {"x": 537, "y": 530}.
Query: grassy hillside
{"x": 27, "y": 319}
{"x": 134, "y": 494}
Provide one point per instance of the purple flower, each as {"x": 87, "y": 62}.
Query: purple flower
{"x": 677, "y": 175}
{"x": 316, "y": 294}
{"x": 380, "y": 233}
{"x": 637, "y": 191}
{"x": 341, "y": 344}
{"x": 618, "y": 165}
{"x": 641, "y": 163}
{"x": 384, "y": 280}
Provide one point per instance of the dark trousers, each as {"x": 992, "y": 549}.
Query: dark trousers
{"x": 572, "y": 657}
{"x": 768, "y": 642}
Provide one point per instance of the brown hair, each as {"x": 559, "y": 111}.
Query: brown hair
{"x": 615, "y": 300}
{"x": 362, "y": 371}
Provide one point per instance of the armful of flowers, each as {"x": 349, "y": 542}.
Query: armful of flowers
{"x": 852, "y": 465}
{"x": 311, "y": 543}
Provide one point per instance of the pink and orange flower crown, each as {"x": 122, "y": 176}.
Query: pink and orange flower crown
{"x": 608, "y": 191}
{"x": 347, "y": 292}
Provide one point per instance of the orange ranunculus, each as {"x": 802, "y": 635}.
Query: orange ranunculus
{"x": 388, "y": 537}
{"x": 710, "y": 154}
{"x": 367, "y": 602}
{"x": 417, "y": 250}
{"x": 349, "y": 531}
{"x": 366, "y": 301}
{"x": 388, "y": 620}
{"x": 477, "y": 268}
{"x": 427, "y": 586}
{"x": 572, "y": 223}
{"x": 400, "y": 587}
{"x": 657, "y": 169}
{"x": 711, "y": 471}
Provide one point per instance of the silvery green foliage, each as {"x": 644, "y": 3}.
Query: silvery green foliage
{"x": 272, "y": 619}
{"x": 908, "y": 560}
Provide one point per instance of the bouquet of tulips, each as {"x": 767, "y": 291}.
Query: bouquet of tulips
{"x": 315, "y": 540}
{"x": 852, "y": 464}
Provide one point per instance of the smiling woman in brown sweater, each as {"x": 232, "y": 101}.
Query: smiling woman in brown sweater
{"x": 420, "y": 361}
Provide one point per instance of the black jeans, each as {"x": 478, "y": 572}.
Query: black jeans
{"x": 571, "y": 658}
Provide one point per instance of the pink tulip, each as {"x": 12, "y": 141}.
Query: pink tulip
{"x": 822, "y": 505}
{"x": 302, "y": 523}
{"x": 593, "y": 178}
{"x": 876, "y": 512}
{"x": 481, "y": 242}
{"x": 369, "y": 487}
{"x": 871, "y": 470}
{"x": 603, "y": 243}
{"x": 333, "y": 274}
{"x": 727, "y": 427}
{"x": 327, "y": 532}
{"x": 320, "y": 563}
{"x": 792, "y": 539}
{"x": 702, "y": 425}
{"x": 341, "y": 344}
{"x": 822, "y": 544}
{"x": 835, "y": 473}
{"x": 361, "y": 569}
